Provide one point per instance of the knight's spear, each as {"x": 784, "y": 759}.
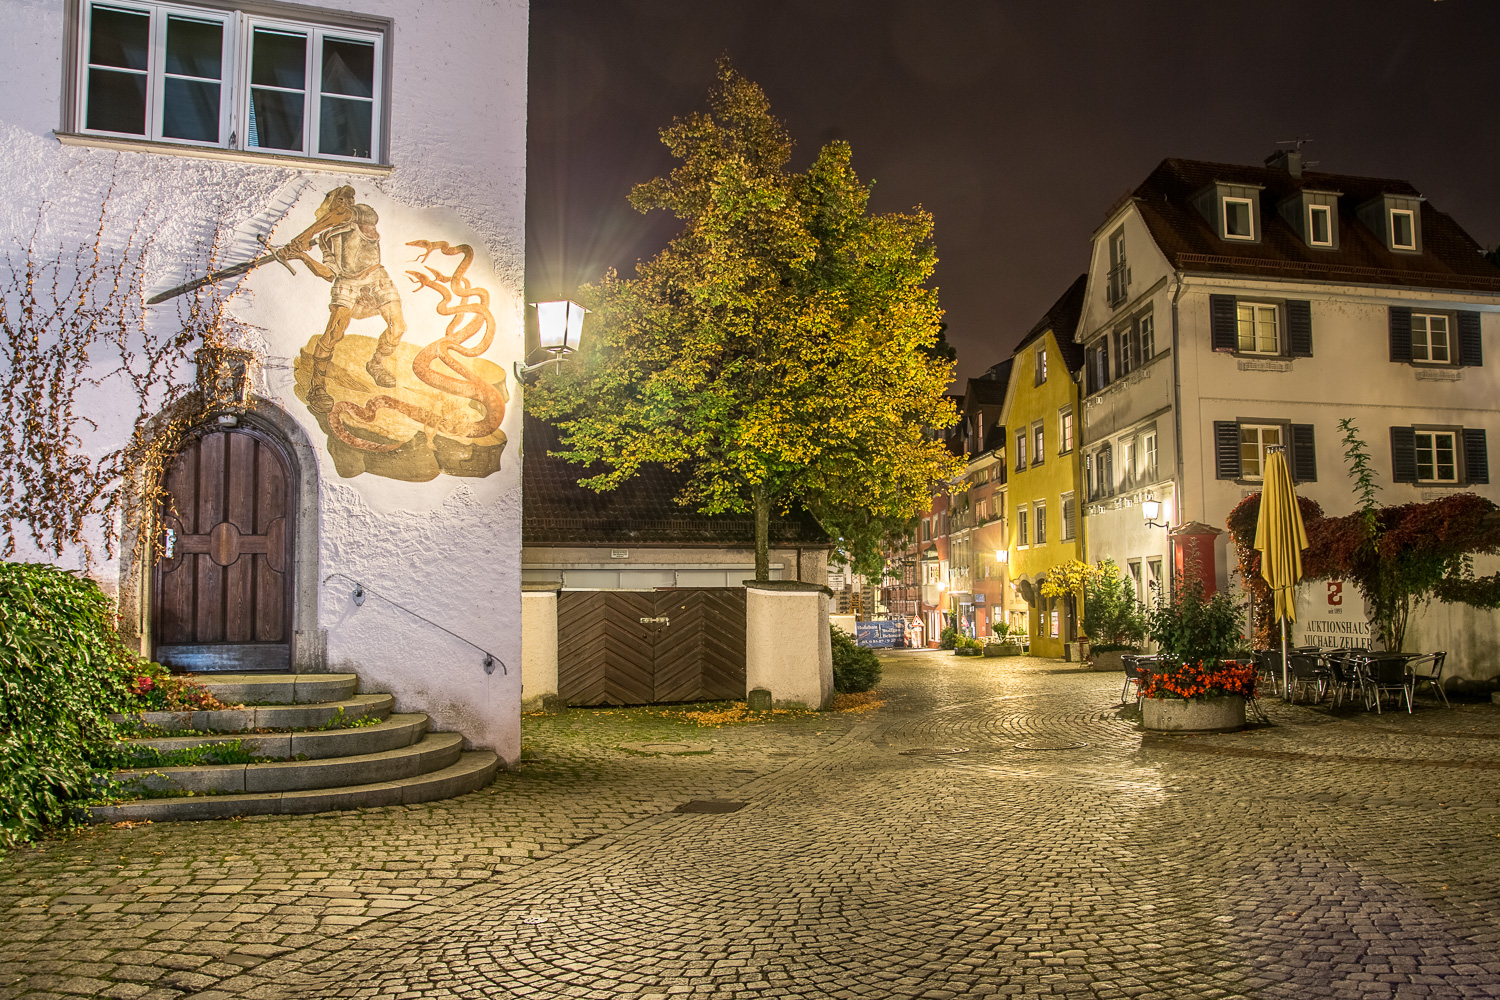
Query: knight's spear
{"x": 234, "y": 270}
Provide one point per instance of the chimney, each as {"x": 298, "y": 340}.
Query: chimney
{"x": 1289, "y": 160}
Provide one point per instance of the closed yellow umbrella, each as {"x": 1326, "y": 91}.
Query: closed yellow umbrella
{"x": 1280, "y": 538}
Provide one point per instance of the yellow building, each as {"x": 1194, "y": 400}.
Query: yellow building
{"x": 1042, "y": 421}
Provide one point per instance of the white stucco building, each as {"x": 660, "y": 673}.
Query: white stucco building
{"x": 381, "y": 145}
{"x": 1232, "y": 307}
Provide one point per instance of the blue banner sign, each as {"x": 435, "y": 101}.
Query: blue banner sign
{"x": 880, "y": 635}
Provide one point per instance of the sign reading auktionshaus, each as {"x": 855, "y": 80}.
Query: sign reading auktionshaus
{"x": 1330, "y": 613}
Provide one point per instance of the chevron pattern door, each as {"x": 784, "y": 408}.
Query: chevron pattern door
{"x": 622, "y": 647}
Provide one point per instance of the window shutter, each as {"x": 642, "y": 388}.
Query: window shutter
{"x": 1304, "y": 455}
{"x": 1068, "y": 519}
{"x": 1470, "y": 343}
{"x": 1104, "y": 362}
{"x": 1223, "y": 322}
{"x": 1299, "y": 328}
{"x": 1226, "y": 449}
{"x": 1476, "y": 456}
{"x": 1404, "y": 452}
{"x": 1401, "y": 343}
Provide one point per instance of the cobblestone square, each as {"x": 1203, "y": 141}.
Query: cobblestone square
{"x": 917, "y": 849}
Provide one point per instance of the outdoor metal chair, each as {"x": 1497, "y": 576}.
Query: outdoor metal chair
{"x": 1345, "y": 674}
{"x": 1382, "y": 673}
{"x": 1310, "y": 670}
{"x": 1428, "y": 669}
{"x": 1132, "y": 675}
{"x": 1268, "y": 667}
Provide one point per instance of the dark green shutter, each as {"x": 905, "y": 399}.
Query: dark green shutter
{"x": 1224, "y": 322}
{"x": 1403, "y": 453}
{"x": 1470, "y": 342}
{"x": 1401, "y": 338}
{"x": 1304, "y": 454}
{"x": 1299, "y": 328}
{"x": 1476, "y": 457}
{"x": 1226, "y": 449}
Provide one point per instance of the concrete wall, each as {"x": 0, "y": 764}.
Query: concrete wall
{"x": 446, "y": 547}
{"x": 788, "y": 651}
{"x": 539, "y": 648}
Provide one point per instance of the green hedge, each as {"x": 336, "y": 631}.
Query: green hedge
{"x": 855, "y": 668}
{"x": 63, "y": 669}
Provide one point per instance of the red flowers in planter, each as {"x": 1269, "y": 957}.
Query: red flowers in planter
{"x": 1203, "y": 679}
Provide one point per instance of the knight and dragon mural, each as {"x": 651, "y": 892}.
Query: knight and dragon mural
{"x": 387, "y": 406}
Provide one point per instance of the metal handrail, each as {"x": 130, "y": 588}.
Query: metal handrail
{"x": 358, "y": 597}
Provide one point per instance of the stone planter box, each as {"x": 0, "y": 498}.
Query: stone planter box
{"x": 968, "y": 652}
{"x": 1109, "y": 661}
{"x": 1002, "y": 649}
{"x": 1221, "y": 714}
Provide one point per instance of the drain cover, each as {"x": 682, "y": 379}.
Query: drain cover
{"x": 667, "y": 747}
{"x": 710, "y": 806}
{"x": 933, "y": 751}
{"x": 1051, "y": 745}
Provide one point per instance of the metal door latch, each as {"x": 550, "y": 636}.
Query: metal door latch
{"x": 169, "y": 543}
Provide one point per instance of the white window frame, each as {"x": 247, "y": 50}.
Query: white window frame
{"x": 1137, "y": 578}
{"x": 1041, "y": 365}
{"x": 1154, "y": 582}
{"x": 1020, "y": 450}
{"x": 1249, "y": 204}
{"x": 1039, "y": 443}
{"x": 1022, "y": 520}
{"x": 1146, "y": 337}
{"x": 1426, "y": 344}
{"x": 1065, "y": 430}
{"x": 234, "y": 83}
{"x": 1312, "y": 212}
{"x": 1256, "y": 310}
{"x": 1039, "y": 523}
{"x": 1148, "y": 441}
{"x": 1411, "y": 218}
{"x": 1261, "y": 444}
{"x": 1455, "y": 443}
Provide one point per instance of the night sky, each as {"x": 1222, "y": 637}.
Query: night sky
{"x": 1017, "y": 124}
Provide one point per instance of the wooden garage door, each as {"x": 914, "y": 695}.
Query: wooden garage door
{"x": 621, "y": 647}
{"x": 222, "y": 594}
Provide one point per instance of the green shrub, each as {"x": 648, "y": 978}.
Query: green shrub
{"x": 1112, "y": 616}
{"x": 63, "y": 669}
{"x": 948, "y": 638}
{"x": 855, "y": 668}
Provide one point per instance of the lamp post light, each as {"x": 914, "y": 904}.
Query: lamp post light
{"x": 1002, "y": 556}
{"x": 559, "y": 331}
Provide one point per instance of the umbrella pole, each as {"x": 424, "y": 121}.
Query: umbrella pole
{"x": 1286, "y": 683}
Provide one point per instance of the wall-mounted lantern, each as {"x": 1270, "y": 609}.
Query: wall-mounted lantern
{"x": 559, "y": 332}
{"x": 1151, "y": 510}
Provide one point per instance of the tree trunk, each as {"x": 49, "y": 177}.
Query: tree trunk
{"x": 762, "y": 502}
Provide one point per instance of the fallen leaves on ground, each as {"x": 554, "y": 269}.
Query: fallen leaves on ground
{"x": 863, "y": 701}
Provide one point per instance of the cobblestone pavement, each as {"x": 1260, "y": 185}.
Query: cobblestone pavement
{"x": 928, "y": 848}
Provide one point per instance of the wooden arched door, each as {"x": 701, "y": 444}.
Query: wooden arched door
{"x": 223, "y": 573}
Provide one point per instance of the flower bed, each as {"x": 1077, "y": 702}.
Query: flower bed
{"x": 1204, "y": 696}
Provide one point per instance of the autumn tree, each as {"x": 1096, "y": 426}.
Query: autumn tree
{"x": 780, "y": 349}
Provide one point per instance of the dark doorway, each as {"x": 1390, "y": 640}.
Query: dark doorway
{"x": 222, "y": 581}
{"x": 632, "y": 647}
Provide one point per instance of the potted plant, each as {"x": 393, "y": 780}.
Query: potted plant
{"x": 1113, "y": 617}
{"x": 964, "y": 646}
{"x": 1001, "y": 644}
{"x": 1196, "y": 687}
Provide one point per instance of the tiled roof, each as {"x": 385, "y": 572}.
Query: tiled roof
{"x": 1062, "y": 319}
{"x": 986, "y": 391}
{"x": 555, "y": 510}
{"x": 1450, "y": 258}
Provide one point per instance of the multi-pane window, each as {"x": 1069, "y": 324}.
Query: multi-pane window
{"x": 1429, "y": 339}
{"x": 1149, "y": 469}
{"x": 1146, "y": 337}
{"x": 1065, "y": 431}
{"x": 1320, "y": 225}
{"x": 1123, "y": 352}
{"x": 1257, "y": 328}
{"x": 1039, "y": 444}
{"x": 1041, "y": 521}
{"x": 1020, "y": 450}
{"x": 1021, "y": 518}
{"x": 1239, "y": 219}
{"x": 981, "y": 511}
{"x": 1254, "y": 440}
{"x": 215, "y": 77}
{"x": 1119, "y": 270}
{"x": 1153, "y": 575}
{"x": 1041, "y": 365}
{"x": 1403, "y": 229}
{"x": 1069, "y": 517}
{"x": 1135, "y": 579}
{"x": 1437, "y": 457}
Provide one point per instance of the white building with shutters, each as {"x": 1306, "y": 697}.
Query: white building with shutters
{"x": 1231, "y": 308}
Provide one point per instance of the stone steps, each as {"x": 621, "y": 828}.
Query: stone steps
{"x": 391, "y": 762}
{"x": 473, "y": 770}
{"x": 394, "y": 732}
{"x": 304, "y": 716}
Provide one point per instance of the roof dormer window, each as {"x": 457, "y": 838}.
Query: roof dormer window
{"x": 1403, "y": 229}
{"x": 1320, "y": 225}
{"x": 1239, "y": 219}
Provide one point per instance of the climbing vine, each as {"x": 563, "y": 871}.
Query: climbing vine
{"x": 77, "y": 342}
